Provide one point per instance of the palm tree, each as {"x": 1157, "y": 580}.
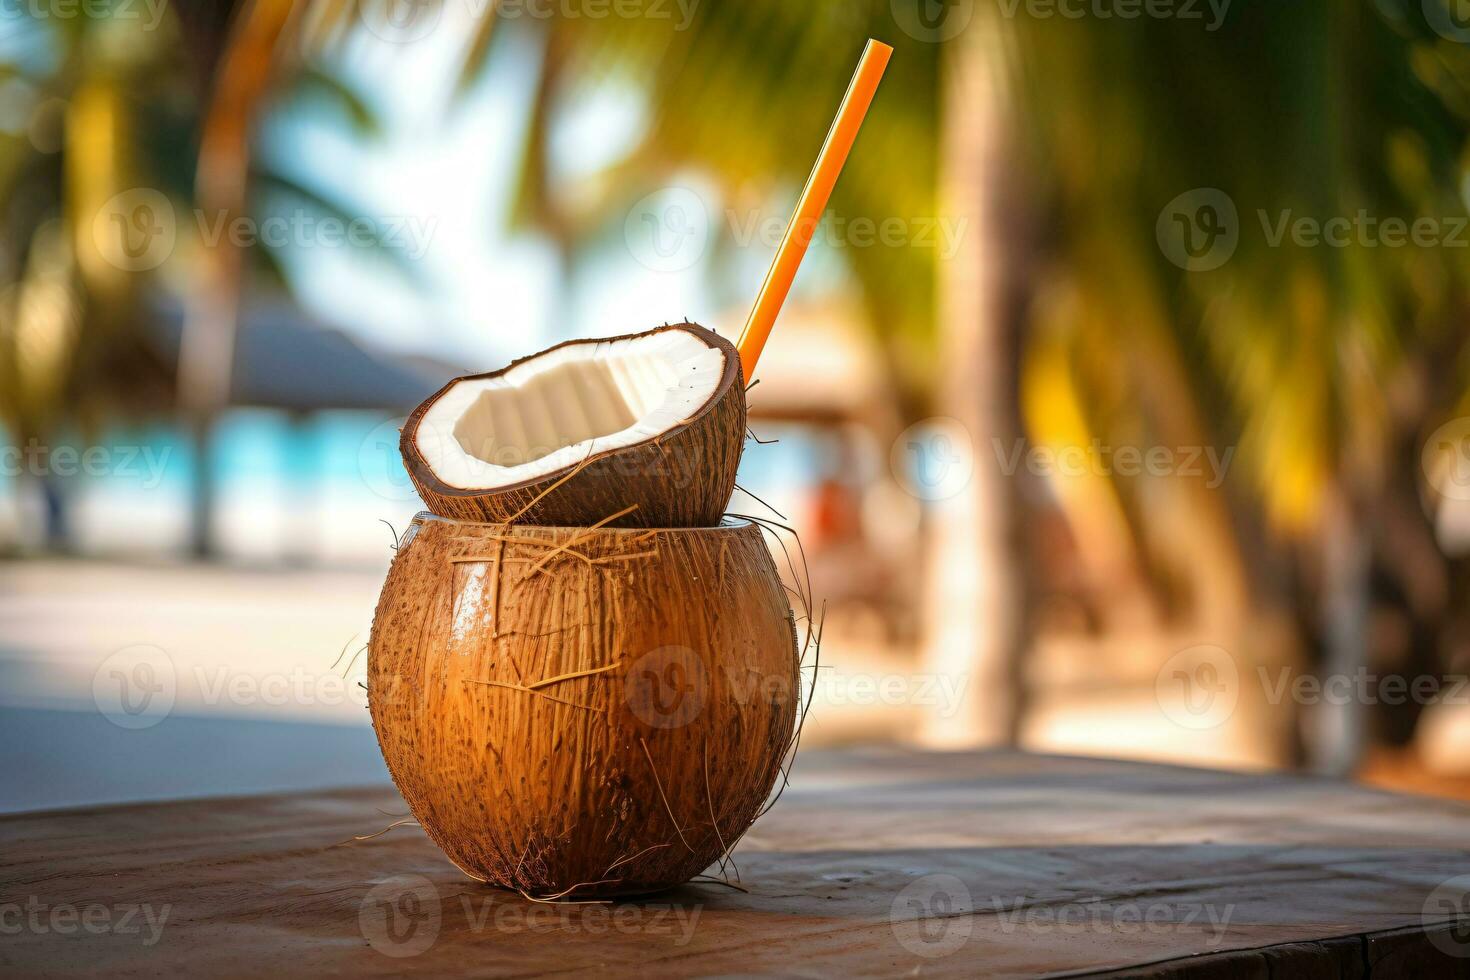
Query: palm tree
{"x": 117, "y": 107}
{"x": 99, "y": 108}
{"x": 1065, "y": 321}
{"x": 976, "y": 588}
{"x": 1301, "y": 354}
{"x": 1312, "y": 108}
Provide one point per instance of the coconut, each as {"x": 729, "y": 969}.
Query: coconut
{"x": 653, "y": 421}
{"x": 583, "y": 712}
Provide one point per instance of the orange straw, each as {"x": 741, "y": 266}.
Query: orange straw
{"x": 813, "y": 203}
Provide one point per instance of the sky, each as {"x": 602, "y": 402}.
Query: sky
{"x": 443, "y": 171}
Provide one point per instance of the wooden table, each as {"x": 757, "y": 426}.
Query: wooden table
{"x": 874, "y": 863}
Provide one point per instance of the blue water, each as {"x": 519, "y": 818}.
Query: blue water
{"x": 344, "y": 464}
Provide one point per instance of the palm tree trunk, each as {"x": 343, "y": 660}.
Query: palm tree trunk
{"x": 58, "y": 524}
{"x": 207, "y": 347}
{"x": 975, "y": 581}
{"x": 1341, "y": 725}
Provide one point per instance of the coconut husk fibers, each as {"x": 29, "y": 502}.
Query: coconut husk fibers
{"x": 583, "y": 712}
{"x": 681, "y": 478}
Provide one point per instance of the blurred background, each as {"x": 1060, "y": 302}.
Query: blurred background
{"x": 1122, "y": 406}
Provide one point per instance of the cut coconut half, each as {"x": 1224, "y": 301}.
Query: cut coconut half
{"x": 586, "y": 430}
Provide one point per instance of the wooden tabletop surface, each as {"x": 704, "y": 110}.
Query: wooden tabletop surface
{"x": 874, "y": 863}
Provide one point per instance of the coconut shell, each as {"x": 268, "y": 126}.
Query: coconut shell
{"x": 681, "y": 478}
{"x": 585, "y": 712}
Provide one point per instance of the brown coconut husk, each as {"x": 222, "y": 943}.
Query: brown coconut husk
{"x": 508, "y": 684}
{"x": 681, "y": 478}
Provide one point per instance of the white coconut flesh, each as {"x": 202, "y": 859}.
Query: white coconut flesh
{"x": 553, "y": 411}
